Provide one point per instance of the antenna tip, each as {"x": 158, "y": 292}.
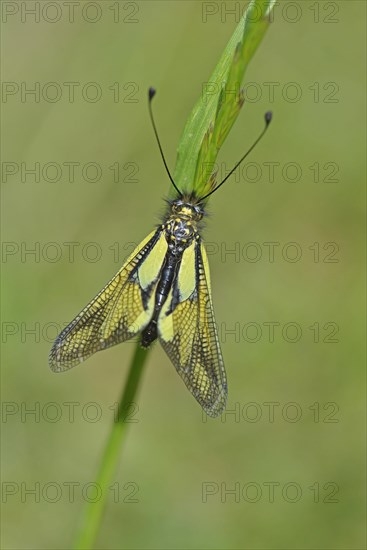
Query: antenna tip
{"x": 151, "y": 93}
{"x": 268, "y": 117}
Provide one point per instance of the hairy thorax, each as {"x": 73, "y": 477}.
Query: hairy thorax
{"x": 182, "y": 224}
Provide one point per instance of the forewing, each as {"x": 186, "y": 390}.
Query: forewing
{"x": 121, "y": 310}
{"x": 187, "y": 332}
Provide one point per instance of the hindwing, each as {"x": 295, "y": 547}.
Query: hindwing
{"x": 187, "y": 331}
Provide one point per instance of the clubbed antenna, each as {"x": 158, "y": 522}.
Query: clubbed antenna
{"x": 151, "y": 94}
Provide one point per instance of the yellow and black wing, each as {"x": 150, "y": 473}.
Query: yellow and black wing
{"x": 122, "y": 309}
{"x": 187, "y": 331}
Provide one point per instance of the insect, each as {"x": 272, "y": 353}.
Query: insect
{"x": 161, "y": 292}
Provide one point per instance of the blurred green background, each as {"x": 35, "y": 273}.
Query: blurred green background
{"x": 177, "y": 467}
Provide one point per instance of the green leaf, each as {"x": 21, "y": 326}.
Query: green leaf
{"x": 220, "y": 103}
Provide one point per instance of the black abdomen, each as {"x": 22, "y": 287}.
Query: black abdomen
{"x": 169, "y": 269}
